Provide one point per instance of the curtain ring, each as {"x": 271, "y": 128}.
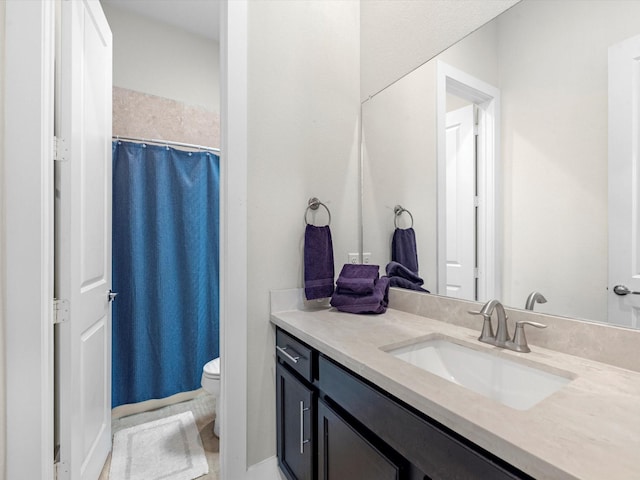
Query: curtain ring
{"x": 313, "y": 204}
{"x": 399, "y": 210}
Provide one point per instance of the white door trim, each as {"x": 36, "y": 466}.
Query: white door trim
{"x": 233, "y": 239}
{"x": 487, "y": 97}
{"x": 28, "y": 231}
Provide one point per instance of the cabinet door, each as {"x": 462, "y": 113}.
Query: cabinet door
{"x": 294, "y": 412}
{"x": 345, "y": 454}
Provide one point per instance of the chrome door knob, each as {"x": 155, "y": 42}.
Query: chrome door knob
{"x": 112, "y": 295}
{"x": 623, "y": 290}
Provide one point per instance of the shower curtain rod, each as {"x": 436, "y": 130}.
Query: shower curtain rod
{"x": 166, "y": 143}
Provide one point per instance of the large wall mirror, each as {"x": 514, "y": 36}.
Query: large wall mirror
{"x": 527, "y": 210}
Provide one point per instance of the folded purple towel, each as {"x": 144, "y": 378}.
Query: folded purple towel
{"x": 357, "y": 279}
{"x": 318, "y": 262}
{"x": 401, "y": 276}
{"x": 376, "y": 302}
{"x": 360, "y": 270}
{"x": 356, "y": 286}
{"x": 403, "y": 248}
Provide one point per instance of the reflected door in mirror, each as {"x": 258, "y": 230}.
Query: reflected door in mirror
{"x": 460, "y": 204}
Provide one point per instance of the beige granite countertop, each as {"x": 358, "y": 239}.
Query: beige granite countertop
{"x": 590, "y": 429}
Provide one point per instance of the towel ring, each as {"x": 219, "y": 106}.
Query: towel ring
{"x": 399, "y": 210}
{"x": 313, "y": 204}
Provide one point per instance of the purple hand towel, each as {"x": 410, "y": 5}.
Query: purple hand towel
{"x": 376, "y": 302}
{"x": 318, "y": 262}
{"x": 401, "y": 276}
{"x": 357, "y": 279}
{"x": 403, "y": 248}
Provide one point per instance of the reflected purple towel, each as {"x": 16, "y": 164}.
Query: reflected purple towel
{"x": 376, "y": 302}
{"x": 406, "y": 284}
{"x": 318, "y": 262}
{"x": 403, "y": 248}
{"x": 401, "y": 276}
{"x": 357, "y": 279}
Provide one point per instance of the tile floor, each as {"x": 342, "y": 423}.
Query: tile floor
{"x": 203, "y": 408}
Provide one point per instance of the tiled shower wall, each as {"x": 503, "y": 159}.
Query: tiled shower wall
{"x": 141, "y": 115}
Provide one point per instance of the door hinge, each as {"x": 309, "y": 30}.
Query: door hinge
{"x": 60, "y": 471}
{"x": 476, "y": 201}
{"x": 60, "y": 150}
{"x": 60, "y": 311}
{"x": 476, "y": 272}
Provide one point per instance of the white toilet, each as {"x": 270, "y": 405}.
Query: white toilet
{"x": 211, "y": 384}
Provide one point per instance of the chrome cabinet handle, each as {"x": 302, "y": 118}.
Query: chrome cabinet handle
{"x": 623, "y": 290}
{"x": 287, "y": 354}
{"x": 112, "y": 295}
{"x": 302, "y": 440}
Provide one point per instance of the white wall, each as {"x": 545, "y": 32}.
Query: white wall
{"x": 398, "y": 36}
{"x": 303, "y": 95}
{"x": 555, "y": 154}
{"x": 162, "y": 60}
{"x": 28, "y": 238}
{"x": 2, "y": 255}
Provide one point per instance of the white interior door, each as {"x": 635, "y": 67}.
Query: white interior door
{"x": 624, "y": 182}
{"x": 460, "y": 204}
{"x": 83, "y": 240}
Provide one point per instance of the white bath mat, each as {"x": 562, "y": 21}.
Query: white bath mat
{"x": 167, "y": 449}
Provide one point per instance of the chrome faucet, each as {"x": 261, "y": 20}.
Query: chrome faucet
{"x": 533, "y": 298}
{"x": 502, "y": 333}
{"x": 501, "y": 337}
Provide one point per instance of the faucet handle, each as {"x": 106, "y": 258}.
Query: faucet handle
{"x": 529, "y": 322}
{"x": 487, "y": 335}
{"x": 519, "y": 343}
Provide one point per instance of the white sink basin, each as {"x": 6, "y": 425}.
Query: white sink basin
{"x": 510, "y": 383}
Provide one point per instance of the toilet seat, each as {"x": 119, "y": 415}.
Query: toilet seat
{"x": 211, "y": 383}
{"x": 212, "y": 369}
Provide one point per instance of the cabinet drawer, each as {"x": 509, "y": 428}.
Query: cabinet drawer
{"x": 295, "y": 354}
{"x": 439, "y": 453}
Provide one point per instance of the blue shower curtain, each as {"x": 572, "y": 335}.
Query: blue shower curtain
{"x": 165, "y": 269}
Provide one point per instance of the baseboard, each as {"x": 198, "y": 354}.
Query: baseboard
{"x": 132, "y": 408}
{"x": 265, "y": 470}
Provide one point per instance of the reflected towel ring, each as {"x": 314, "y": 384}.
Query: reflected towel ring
{"x": 313, "y": 204}
{"x": 399, "y": 210}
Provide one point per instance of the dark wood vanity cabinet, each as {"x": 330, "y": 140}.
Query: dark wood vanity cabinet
{"x": 295, "y": 408}
{"x": 335, "y": 425}
{"x": 314, "y": 441}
